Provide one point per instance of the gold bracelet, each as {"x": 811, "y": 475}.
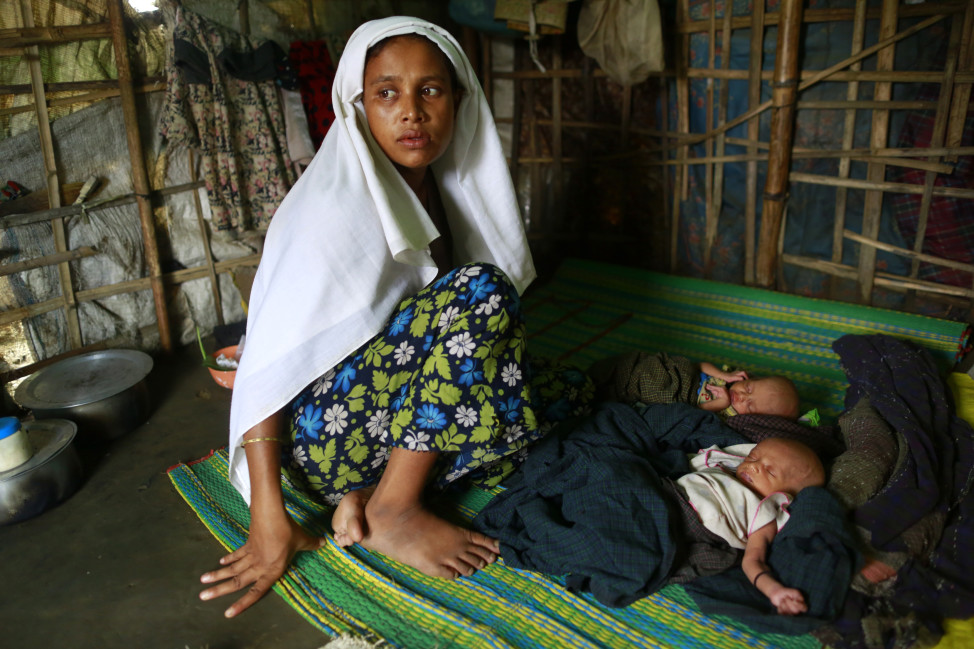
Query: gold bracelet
{"x": 252, "y": 440}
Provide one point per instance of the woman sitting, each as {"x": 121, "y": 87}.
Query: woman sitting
{"x": 421, "y": 386}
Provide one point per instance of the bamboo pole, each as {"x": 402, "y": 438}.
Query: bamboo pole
{"x": 722, "y": 101}
{"x": 784, "y": 95}
{"x": 99, "y": 89}
{"x": 937, "y": 139}
{"x": 130, "y": 286}
{"x": 557, "y": 167}
{"x": 878, "y": 186}
{"x": 755, "y": 65}
{"x": 821, "y": 75}
{"x": 681, "y": 177}
{"x": 47, "y": 260}
{"x": 909, "y": 254}
{"x": 67, "y": 299}
{"x": 20, "y": 37}
{"x": 205, "y": 239}
{"x": 962, "y": 91}
{"x": 140, "y": 179}
{"x": 885, "y": 280}
{"x": 848, "y": 136}
{"x": 13, "y": 220}
{"x": 710, "y": 219}
{"x": 876, "y": 172}
{"x": 833, "y": 15}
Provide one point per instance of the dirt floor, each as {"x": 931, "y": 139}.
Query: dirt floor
{"x": 118, "y": 564}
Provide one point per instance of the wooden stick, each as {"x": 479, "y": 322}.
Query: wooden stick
{"x": 909, "y": 254}
{"x": 962, "y": 91}
{"x": 20, "y": 37}
{"x": 67, "y": 300}
{"x": 146, "y": 84}
{"x": 876, "y": 172}
{"x": 710, "y": 219}
{"x": 819, "y": 76}
{"x": 755, "y": 64}
{"x": 140, "y": 179}
{"x": 937, "y": 139}
{"x": 848, "y": 138}
{"x": 878, "y": 185}
{"x": 130, "y": 286}
{"x": 831, "y": 15}
{"x": 205, "y": 239}
{"x": 886, "y": 280}
{"x": 784, "y": 94}
{"x": 47, "y": 260}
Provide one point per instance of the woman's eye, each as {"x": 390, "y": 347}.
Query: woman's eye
{"x": 387, "y": 94}
{"x": 432, "y": 92}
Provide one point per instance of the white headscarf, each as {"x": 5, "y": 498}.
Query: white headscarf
{"x": 351, "y": 240}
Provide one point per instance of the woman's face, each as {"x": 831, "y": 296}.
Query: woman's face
{"x": 409, "y": 103}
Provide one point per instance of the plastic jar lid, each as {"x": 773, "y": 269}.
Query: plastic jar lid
{"x": 8, "y": 426}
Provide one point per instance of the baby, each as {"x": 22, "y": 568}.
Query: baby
{"x": 741, "y": 494}
{"x": 730, "y": 393}
{"x": 643, "y": 377}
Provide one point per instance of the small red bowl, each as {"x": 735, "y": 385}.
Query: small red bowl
{"x": 224, "y": 377}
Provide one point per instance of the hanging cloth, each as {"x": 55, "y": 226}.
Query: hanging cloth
{"x": 222, "y": 99}
{"x": 624, "y": 36}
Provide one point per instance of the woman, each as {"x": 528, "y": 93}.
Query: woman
{"x": 425, "y": 384}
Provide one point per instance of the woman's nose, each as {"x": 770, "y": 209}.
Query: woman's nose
{"x": 413, "y": 110}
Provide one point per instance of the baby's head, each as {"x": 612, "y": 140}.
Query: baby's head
{"x": 778, "y": 464}
{"x": 771, "y": 395}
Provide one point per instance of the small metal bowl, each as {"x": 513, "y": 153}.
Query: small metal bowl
{"x": 50, "y": 476}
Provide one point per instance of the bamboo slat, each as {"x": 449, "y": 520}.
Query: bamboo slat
{"x": 878, "y": 137}
{"x": 848, "y": 135}
{"x": 52, "y": 35}
{"x": 46, "y": 260}
{"x": 205, "y": 239}
{"x": 962, "y": 91}
{"x": 52, "y": 180}
{"x": 755, "y": 63}
{"x": 140, "y": 179}
{"x": 878, "y": 185}
{"x": 710, "y": 206}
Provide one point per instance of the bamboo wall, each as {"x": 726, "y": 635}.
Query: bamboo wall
{"x": 653, "y": 141}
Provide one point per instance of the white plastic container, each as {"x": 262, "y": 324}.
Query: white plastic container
{"x": 15, "y": 448}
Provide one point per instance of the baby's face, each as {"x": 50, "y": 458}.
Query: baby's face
{"x": 409, "y": 102}
{"x": 771, "y": 467}
{"x": 752, "y": 396}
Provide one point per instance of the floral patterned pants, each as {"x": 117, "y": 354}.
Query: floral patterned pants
{"x": 448, "y": 374}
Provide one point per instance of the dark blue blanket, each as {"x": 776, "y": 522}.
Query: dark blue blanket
{"x": 588, "y": 506}
{"x": 904, "y": 386}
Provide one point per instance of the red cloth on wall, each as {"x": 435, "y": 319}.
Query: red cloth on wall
{"x": 316, "y": 74}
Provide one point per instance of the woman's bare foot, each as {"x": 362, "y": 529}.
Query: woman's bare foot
{"x": 876, "y": 571}
{"x": 348, "y": 521}
{"x": 420, "y": 539}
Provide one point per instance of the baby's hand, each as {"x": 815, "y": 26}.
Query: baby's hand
{"x": 788, "y": 601}
{"x": 719, "y": 394}
{"x": 734, "y": 377}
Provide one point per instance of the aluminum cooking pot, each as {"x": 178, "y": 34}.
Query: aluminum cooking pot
{"x": 104, "y": 392}
{"x": 51, "y": 475}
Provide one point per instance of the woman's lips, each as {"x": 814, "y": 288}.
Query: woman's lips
{"x": 414, "y": 139}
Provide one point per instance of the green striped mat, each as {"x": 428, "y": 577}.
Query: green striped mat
{"x": 589, "y": 310}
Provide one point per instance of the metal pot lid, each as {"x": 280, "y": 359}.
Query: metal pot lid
{"x": 48, "y": 437}
{"x": 83, "y": 379}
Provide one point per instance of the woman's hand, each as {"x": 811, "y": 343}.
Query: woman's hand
{"x": 259, "y": 562}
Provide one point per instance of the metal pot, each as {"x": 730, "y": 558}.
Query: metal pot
{"x": 51, "y": 475}
{"x": 104, "y": 392}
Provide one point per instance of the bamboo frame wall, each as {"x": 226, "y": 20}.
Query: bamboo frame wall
{"x": 763, "y": 255}
{"x": 28, "y": 42}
